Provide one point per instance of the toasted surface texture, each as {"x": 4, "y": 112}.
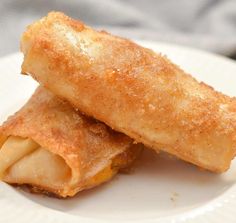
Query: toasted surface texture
{"x": 132, "y": 89}
{"x": 49, "y": 145}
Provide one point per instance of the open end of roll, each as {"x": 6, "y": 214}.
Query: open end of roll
{"x": 23, "y": 161}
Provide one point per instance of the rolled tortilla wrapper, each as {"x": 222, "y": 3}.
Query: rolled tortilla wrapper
{"x": 55, "y": 149}
{"x": 132, "y": 89}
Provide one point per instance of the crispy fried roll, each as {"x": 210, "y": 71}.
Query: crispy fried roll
{"x": 53, "y": 148}
{"x": 132, "y": 89}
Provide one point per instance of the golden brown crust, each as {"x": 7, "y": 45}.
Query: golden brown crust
{"x": 133, "y": 90}
{"x": 86, "y": 145}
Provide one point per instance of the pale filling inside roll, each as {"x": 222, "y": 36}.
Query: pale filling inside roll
{"x": 23, "y": 161}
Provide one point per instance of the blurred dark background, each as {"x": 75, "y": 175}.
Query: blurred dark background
{"x": 206, "y": 24}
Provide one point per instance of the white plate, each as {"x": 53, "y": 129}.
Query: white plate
{"x": 159, "y": 190}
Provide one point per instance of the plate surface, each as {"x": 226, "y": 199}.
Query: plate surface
{"x": 160, "y": 188}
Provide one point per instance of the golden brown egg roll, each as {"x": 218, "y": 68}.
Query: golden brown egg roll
{"x": 55, "y": 149}
{"x": 132, "y": 89}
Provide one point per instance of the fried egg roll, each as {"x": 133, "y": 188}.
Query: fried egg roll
{"x": 132, "y": 89}
{"x": 52, "y": 148}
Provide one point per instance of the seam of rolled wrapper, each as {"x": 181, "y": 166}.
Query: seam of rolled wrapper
{"x": 2, "y": 139}
{"x": 63, "y": 190}
{"x": 5, "y": 163}
{"x": 75, "y": 173}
